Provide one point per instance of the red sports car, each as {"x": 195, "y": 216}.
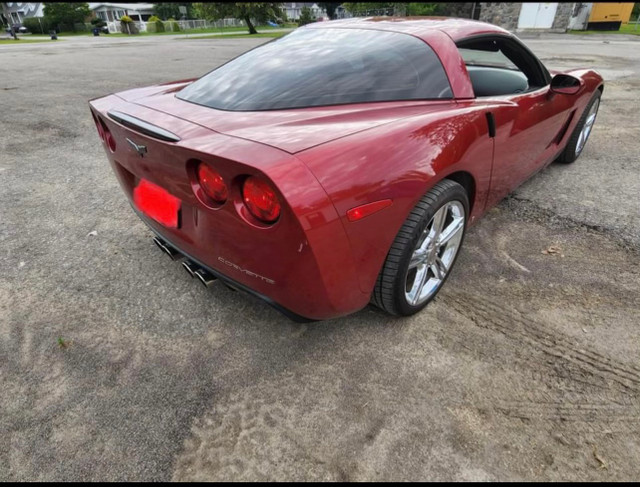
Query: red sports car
{"x": 343, "y": 163}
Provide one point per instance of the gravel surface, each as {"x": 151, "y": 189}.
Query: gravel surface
{"x": 115, "y": 365}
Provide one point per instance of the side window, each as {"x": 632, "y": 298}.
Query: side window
{"x": 500, "y": 67}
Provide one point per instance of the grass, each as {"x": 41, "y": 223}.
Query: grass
{"x": 22, "y": 40}
{"x": 624, "y": 29}
{"x": 207, "y": 30}
{"x": 241, "y": 36}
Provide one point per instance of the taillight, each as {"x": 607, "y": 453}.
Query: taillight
{"x": 261, "y": 200}
{"x": 212, "y": 183}
{"x": 98, "y": 126}
{"x": 105, "y": 133}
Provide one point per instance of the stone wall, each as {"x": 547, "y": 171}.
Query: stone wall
{"x": 506, "y": 15}
{"x": 563, "y": 17}
{"x": 502, "y": 14}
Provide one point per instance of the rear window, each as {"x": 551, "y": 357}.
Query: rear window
{"x": 315, "y": 67}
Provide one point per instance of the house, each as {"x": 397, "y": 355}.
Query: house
{"x": 294, "y": 10}
{"x": 18, "y": 11}
{"x": 110, "y": 12}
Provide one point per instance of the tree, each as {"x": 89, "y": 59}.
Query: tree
{"x": 330, "y": 8}
{"x": 66, "y": 14}
{"x": 258, "y": 11}
{"x": 305, "y": 17}
{"x": 167, "y": 10}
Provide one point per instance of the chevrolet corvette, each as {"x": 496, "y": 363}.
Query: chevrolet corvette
{"x": 342, "y": 164}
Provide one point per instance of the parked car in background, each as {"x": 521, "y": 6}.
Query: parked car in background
{"x": 352, "y": 174}
{"x": 17, "y": 28}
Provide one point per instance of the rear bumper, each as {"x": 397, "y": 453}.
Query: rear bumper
{"x": 230, "y": 282}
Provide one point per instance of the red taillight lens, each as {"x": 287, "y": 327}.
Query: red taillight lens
{"x": 98, "y": 126}
{"x": 212, "y": 184}
{"x": 111, "y": 142}
{"x": 261, "y": 200}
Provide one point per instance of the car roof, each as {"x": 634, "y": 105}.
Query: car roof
{"x": 455, "y": 28}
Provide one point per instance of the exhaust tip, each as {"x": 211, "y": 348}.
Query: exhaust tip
{"x": 167, "y": 249}
{"x": 205, "y": 278}
{"x": 190, "y": 267}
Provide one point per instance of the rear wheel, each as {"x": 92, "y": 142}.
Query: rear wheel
{"x": 424, "y": 251}
{"x": 582, "y": 131}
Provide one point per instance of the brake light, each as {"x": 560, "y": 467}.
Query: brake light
{"x": 105, "y": 134}
{"x": 261, "y": 200}
{"x": 212, "y": 183}
{"x": 98, "y": 126}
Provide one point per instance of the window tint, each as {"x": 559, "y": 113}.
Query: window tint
{"x": 314, "y": 67}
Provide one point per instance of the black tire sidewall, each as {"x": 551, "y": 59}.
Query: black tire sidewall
{"x": 569, "y": 154}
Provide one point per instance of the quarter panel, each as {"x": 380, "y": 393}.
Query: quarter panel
{"x": 400, "y": 162}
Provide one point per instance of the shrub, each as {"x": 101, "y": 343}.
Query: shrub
{"x": 127, "y": 25}
{"x": 305, "y": 17}
{"x": 172, "y": 26}
{"x": 154, "y": 24}
{"x": 34, "y": 25}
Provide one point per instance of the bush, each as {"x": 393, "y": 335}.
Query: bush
{"x": 172, "y": 26}
{"x": 98, "y": 22}
{"x": 154, "y": 24}
{"x": 305, "y": 17}
{"x": 127, "y": 25}
{"x": 33, "y": 24}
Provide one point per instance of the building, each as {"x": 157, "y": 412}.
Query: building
{"x": 517, "y": 17}
{"x": 110, "y": 12}
{"x": 18, "y": 11}
{"x": 294, "y": 10}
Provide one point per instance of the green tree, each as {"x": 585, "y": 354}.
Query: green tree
{"x": 305, "y": 17}
{"x": 167, "y": 10}
{"x": 258, "y": 11}
{"x": 330, "y": 8}
{"x": 66, "y": 14}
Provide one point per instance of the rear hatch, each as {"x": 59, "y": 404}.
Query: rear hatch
{"x": 291, "y": 130}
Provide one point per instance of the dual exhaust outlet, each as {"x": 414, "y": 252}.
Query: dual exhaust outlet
{"x": 194, "y": 270}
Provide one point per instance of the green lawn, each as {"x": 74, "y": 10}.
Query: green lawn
{"x": 211, "y": 30}
{"x": 236, "y": 36}
{"x": 624, "y": 29}
{"x": 22, "y": 40}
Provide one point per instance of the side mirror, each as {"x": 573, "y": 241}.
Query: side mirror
{"x": 565, "y": 84}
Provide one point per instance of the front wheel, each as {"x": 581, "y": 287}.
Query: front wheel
{"x": 424, "y": 251}
{"x": 582, "y": 131}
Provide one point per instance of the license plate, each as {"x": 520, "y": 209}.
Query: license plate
{"x": 157, "y": 203}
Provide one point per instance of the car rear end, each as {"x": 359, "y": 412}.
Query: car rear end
{"x": 249, "y": 214}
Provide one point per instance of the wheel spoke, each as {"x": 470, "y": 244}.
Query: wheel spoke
{"x": 418, "y": 283}
{"x": 439, "y": 269}
{"x": 438, "y": 221}
{"x": 417, "y": 258}
{"x": 451, "y": 231}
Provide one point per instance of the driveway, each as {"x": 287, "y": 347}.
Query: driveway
{"x": 115, "y": 365}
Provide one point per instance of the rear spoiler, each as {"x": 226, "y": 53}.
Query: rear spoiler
{"x": 143, "y": 127}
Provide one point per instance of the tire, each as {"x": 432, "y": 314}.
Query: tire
{"x": 390, "y": 292}
{"x": 572, "y": 151}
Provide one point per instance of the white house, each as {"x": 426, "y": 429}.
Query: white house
{"x": 110, "y": 12}
{"x": 18, "y": 11}
{"x": 294, "y": 10}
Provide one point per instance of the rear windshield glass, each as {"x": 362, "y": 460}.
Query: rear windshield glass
{"x": 314, "y": 67}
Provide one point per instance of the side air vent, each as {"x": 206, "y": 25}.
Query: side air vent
{"x": 143, "y": 127}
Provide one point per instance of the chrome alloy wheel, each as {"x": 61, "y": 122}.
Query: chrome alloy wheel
{"x": 434, "y": 253}
{"x": 588, "y": 125}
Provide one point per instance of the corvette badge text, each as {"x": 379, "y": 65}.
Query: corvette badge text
{"x": 245, "y": 271}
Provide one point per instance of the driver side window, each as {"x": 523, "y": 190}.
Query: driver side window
{"x": 500, "y": 67}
